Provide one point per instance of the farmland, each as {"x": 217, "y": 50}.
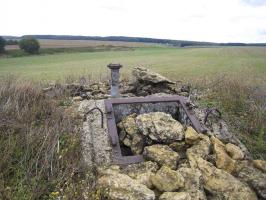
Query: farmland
{"x": 238, "y": 74}
{"x": 231, "y": 79}
{"x": 48, "y": 44}
{"x": 190, "y": 64}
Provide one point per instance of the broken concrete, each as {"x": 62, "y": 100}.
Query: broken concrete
{"x": 96, "y": 144}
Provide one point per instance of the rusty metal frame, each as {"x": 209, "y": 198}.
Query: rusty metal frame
{"x": 118, "y": 158}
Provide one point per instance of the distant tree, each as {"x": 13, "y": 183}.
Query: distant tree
{"x": 11, "y": 42}
{"x": 2, "y": 44}
{"x": 29, "y": 45}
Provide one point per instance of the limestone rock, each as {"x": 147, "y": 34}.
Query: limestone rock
{"x": 127, "y": 142}
{"x": 108, "y": 170}
{"x": 260, "y": 164}
{"x": 142, "y": 172}
{"x": 201, "y": 149}
{"x": 180, "y": 147}
{"x": 167, "y": 180}
{"x": 129, "y": 134}
{"x": 234, "y": 151}
{"x": 160, "y": 127}
{"x": 145, "y": 75}
{"x": 193, "y": 183}
{"x": 254, "y": 177}
{"x": 191, "y": 136}
{"x": 118, "y": 186}
{"x": 137, "y": 144}
{"x": 222, "y": 159}
{"x": 128, "y": 125}
{"x": 175, "y": 196}
{"x": 222, "y": 185}
{"x": 162, "y": 154}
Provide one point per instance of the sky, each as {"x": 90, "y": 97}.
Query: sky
{"x": 198, "y": 20}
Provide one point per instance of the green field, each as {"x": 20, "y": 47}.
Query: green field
{"x": 178, "y": 63}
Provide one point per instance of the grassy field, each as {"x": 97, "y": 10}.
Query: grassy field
{"x": 33, "y": 126}
{"x": 178, "y": 63}
{"x": 236, "y": 75}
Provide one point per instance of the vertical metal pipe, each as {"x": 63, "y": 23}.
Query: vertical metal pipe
{"x": 114, "y": 79}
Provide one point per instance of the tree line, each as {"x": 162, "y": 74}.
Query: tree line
{"x": 27, "y": 44}
{"x": 179, "y": 43}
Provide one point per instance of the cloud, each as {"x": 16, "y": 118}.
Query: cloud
{"x": 114, "y": 8}
{"x": 206, "y": 20}
{"x": 255, "y": 2}
{"x": 262, "y": 32}
{"x": 247, "y": 17}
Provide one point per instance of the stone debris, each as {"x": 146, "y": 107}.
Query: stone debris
{"x": 160, "y": 127}
{"x": 193, "y": 184}
{"x": 180, "y": 147}
{"x": 180, "y": 164}
{"x": 142, "y": 172}
{"x": 145, "y": 75}
{"x": 234, "y": 151}
{"x": 191, "y": 136}
{"x": 199, "y": 150}
{"x": 256, "y": 179}
{"x": 208, "y": 168}
{"x": 154, "y": 127}
{"x": 147, "y": 82}
{"x": 222, "y": 185}
{"x": 162, "y": 154}
{"x": 130, "y": 135}
{"x": 80, "y": 91}
{"x": 222, "y": 159}
{"x": 175, "y": 196}
{"x": 117, "y": 186}
{"x": 167, "y": 180}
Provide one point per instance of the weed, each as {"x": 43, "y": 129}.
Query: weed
{"x": 245, "y": 109}
{"x": 39, "y": 145}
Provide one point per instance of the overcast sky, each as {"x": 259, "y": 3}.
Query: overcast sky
{"x": 199, "y": 20}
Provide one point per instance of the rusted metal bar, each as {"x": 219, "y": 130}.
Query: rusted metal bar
{"x": 211, "y": 111}
{"x": 90, "y": 111}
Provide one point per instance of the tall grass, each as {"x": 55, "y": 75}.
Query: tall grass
{"x": 244, "y": 106}
{"x": 40, "y": 151}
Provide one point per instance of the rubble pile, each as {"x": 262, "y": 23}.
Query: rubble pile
{"x": 180, "y": 164}
{"x": 79, "y": 91}
{"x": 146, "y": 82}
{"x": 150, "y": 128}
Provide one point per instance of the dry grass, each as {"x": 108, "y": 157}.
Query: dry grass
{"x": 244, "y": 108}
{"x": 39, "y": 145}
{"x": 40, "y": 142}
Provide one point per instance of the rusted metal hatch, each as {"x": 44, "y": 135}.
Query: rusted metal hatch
{"x": 118, "y": 108}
